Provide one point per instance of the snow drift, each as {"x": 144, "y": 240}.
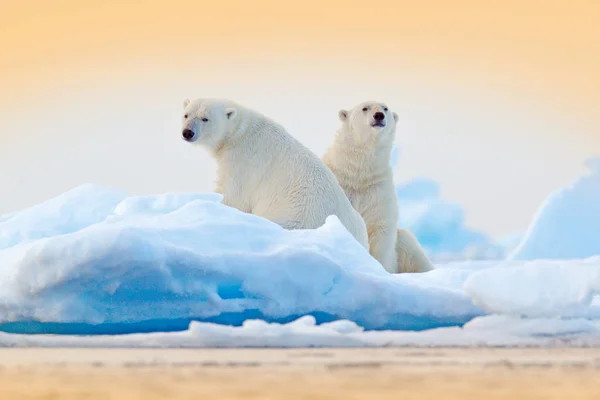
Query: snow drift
{"x": 440, "y": 225}
{"x": 99, "y": 265}
{"x": 567, "y": 224}
{"x": 185, "y": 270}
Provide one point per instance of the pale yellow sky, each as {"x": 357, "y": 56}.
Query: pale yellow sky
{"x": 498, "y": 100}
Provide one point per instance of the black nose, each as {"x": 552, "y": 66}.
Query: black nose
{"x": 378, "y": 116}
{"x": 188, "y": 134}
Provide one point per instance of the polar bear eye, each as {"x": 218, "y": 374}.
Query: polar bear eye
{"x": 385, "y": 108}
{"x": 185, "y": 116}
{"x": 204, "y": 119}
{"x": 365, "y": 109}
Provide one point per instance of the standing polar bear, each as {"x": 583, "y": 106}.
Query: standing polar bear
{"x": 264, "y": 171}
{"x": 360, "y": 159}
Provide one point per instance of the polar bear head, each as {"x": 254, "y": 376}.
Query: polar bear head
{"x": 207, "y": 121}
{"x": 370, "y": 121}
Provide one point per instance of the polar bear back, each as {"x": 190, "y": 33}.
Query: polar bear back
{"x": 263, "y": 170}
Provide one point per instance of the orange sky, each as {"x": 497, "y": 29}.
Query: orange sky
{"x": 533, "y": 65}
{"x": 549, "y": 46}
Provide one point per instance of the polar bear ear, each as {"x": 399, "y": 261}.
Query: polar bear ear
{"x": 395, "y": 116}
{"x": 186, "y": 103}
{"x": 343, "y": 114}
{"x": 231, "y": 113}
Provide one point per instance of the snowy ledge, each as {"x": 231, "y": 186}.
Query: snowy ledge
{"x": 492, "y": 331}
{"x": 182, "y": 270}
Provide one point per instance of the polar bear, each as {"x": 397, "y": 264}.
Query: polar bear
{"x": 360, "y": 159}
{"x": 264, "y": 171}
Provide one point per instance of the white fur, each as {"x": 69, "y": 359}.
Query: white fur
{"x": 411, "y": 256}
{"x": 360, "y": 159}
{"x": 265, "y": 171}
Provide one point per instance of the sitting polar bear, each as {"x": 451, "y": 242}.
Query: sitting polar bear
{"x": 264, "y": 171}
{"x": 360, "y": 159}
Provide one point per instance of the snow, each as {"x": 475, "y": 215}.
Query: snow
{"x": 155, "y": 263}
{"x": 96, "y": 267}
{"x": 538, "y": 289}
{"x": 439, "y": 225}
{"x": 69, "y": 212}
{"x": 567, "y": 224}
{"x": 491, "y": 331}
{"x": 564, "y": 227}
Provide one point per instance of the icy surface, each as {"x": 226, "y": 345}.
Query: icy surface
{"x": 440, "y": 225}
{"x": 538, "y": 289}
{"x": 69, "y": 212}
{"x": 185, "y": 270}
{"x": 157, "y": 262}
{"x": 567, "y": 224}
{"x": 496, "y": 331}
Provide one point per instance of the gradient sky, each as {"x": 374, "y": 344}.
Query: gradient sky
{"x": 499, "y": 100}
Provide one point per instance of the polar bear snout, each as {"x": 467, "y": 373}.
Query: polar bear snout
{"x": 379, "y": 119}
{"x": 188, "y": 134}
